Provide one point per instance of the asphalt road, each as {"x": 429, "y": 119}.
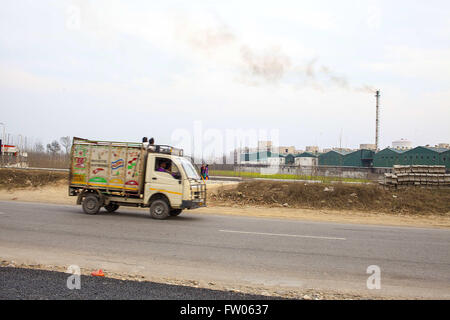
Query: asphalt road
{"x": 28, "y": 284}
{"x": 229, "y": 250}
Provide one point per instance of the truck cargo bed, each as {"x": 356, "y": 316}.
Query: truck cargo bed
{"x": 115, "y": 166}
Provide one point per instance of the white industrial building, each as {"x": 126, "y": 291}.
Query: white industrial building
{"x": 306, "y": 159}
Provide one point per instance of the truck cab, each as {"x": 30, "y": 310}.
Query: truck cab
{"x": 174, "y": 178}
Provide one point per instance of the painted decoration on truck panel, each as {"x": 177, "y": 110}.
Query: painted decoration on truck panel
{"x": 132, "y": 163}
{"x": 117, "y": 164}
{"x": 81, "y": 151}
{"x": 80, "y": 163}
{"x": 78, "y": 178}
{"x": 132, "y": 183}
{"x": 116, "y": 181}
{"x": 97, "y": 170}
{"x": 98, "y": 180}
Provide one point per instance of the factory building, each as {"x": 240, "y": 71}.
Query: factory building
{"x": 343, "y": 158}
{"x": 289, "y": 159}
{"x": 332, "y": 158}
{"x": 257, "y": 157}
{"x": 445, "y": 159}
{"x": 361, "y": 158}
{"x": 338, "y": 157}
{"x": 387, "y": 158}
{"x": 422, "y": 156}
{"x": 430, "y": 156}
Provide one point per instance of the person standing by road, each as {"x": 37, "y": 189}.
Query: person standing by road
{"x": 202, "y": 171}
{"x": 206, "y": 173}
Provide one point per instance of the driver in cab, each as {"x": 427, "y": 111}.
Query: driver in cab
{"x": 163, "y": 168}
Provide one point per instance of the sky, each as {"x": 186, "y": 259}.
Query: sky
{"x": 121, "y": 70}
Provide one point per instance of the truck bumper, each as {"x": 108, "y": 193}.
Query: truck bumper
{"x": 189, "y": 204}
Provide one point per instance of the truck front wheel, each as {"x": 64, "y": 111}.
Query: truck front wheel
{"x": 91, "y": 204}
{"x": 159, "y": 209}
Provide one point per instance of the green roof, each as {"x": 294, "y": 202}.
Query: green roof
{"x": 306, "y": 155}
{"x": 395, "y": 150}
{"x": 438, "y": 150}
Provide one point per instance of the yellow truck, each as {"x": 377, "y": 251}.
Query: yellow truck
{"x": 112, "y": 174}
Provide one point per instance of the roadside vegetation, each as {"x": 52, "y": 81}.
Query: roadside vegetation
{"x": 366, "y": 197}
{"x": 243, "y": 174}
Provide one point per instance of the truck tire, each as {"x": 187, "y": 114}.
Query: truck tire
{"x": 112, "y": 207}
{"x": 159, "y": 209}
{"x": 91, "y": 204}
{"x": 176, "y": 212}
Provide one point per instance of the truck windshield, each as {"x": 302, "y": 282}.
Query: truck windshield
{"x": 189, "y": 169}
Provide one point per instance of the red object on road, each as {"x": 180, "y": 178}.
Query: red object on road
{"x": 98, "y": 273}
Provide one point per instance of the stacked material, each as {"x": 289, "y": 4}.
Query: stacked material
{"x": 417, "y": 176}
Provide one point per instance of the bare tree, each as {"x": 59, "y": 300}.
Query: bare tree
{"x": 39, "y": 147}
{"x": 66, "y": 142}
{"x": 53, "y": 147}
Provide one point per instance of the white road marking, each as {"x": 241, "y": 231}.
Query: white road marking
{"x": 2, "y": 213}
{"x": 284, "y": 235}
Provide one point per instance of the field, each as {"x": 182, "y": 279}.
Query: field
{"x": 244, "y": 174}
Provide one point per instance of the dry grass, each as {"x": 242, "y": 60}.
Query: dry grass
{"x": 16, "y": 178}
{"x": 368, "y": 198}
{"x": 45, "y": 160}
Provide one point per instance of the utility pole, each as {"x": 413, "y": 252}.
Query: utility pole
{"x": 4, "y": 132}
{"x": 377, "y": 130}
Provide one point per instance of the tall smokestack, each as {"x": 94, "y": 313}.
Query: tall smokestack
{"x": 377, "y": 132}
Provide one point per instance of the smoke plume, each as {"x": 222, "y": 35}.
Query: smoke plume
{"x": 271, "y": 65}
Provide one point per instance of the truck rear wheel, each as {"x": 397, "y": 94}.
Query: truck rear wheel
{"x": 159, "y": 209}
{"x": 111, "y": 207}
{"x": 91, "y": 204}
{"x": 176, "y": 212}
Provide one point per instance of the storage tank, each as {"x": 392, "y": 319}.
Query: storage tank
{"x": 402, "y": 144}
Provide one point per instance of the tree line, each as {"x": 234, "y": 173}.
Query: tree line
{"x": 55, "y": 154}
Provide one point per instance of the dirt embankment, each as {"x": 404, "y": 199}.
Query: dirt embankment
{"x": 11, "y": 179}
{"x": 346, "y": 197}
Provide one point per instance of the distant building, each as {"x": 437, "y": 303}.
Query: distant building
{"x": 368, "y": 146}
{"x": 286, "y": 150}
{"x": 12, "y": 156}
{"x": 312, "y": 149}
{"x": 264, "y": 146}
{"x": 402, "y": 144}
{"x": 276, "y": 161}
{"x": 306, "y": 159}
{"x": 345, "y": 150}
{"x": 443, "y": 146}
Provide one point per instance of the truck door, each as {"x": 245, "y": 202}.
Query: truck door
{"x": 165, "y": 177}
